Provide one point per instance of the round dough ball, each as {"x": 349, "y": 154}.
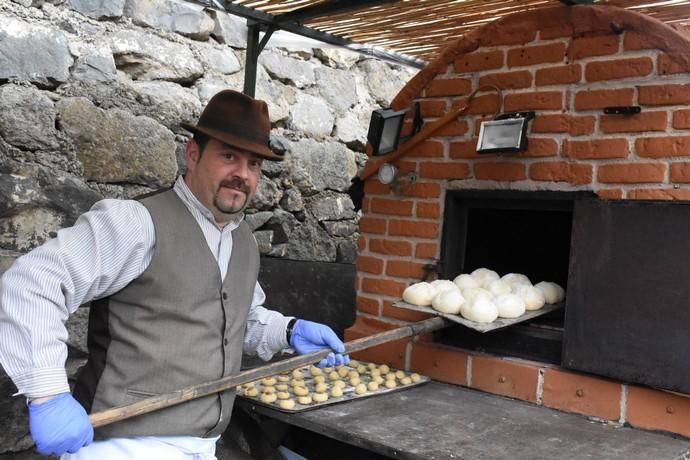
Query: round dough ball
{"x": 372, "y": 366}
{"x": 283, "y": 395}
{"x": 378, "y": 379}
{"x": 268, "y": 398}
{"x": 372, "y": 386}
{"x": 321, "y": 388}
{"x": 406, "y": 380}
{"x": 314, "y": 371}
{"x": 353, "y": 374}
{"x": 400, "y": 374}
{"x": 361, "y": 369}
{"x": 415, "y": 377}
{"x": 533, "y": 297}
{"x": 248, "y": 385}
{"x": 268, "y": 389}
{"x": 419, "y": 293}
{"x": 465, "y": 281}
{"x": 287, "y": 403}
{"x": 281, "y": 387}
{"x": 354, "y": 381}
{"x": 283, "y": 378}
{"x": 384, "y": 369}
{"x": 499, "y": 287}
{"x": 319, "y": 379}
{"x": 297, "y": 374}
{"x": 300, "y": 391}
{"x": 327, "y": 370}
{"x": 390, "y": 376}
{"x": 336, "y": 391}
{"x": 375, "y": 372}
{"x": 471, "y": 294}
{"x": 482, "y": 310}
{"x": 334, "y": 376}
{"x": 305, "y": 400}
{"x": 553, "y": 293}
{"x": 252, "y": 392}
{"x": 443, "y": 285}
{"x": 509, "y": 305}
{"x": 516, "y": 278}
{"x": 343, "y": 372}
{"x": 353, "y": 363}
{"x": 360, "y": 389}
{"x": 320, "y": 397}
{"x": 391, "y": 383}
{"x": 268, "y": 381}
{"x": 484, "y": 276}
{"x": 339, "y": 384}
{"x": 448, "y": 301}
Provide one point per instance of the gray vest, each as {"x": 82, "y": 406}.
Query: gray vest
{"x": 175, "y": 326}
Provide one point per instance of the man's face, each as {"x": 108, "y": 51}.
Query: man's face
{"x": 223, "y": 178}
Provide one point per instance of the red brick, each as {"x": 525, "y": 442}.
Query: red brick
{"x": 658, "y": 147}
{"x": 560, "y": 30}
{"x": 428, "y": 210}
{"x": 631, "y": 173}
{"x": 444, "y": 170}
{"x": 561, "y": 123}
{"x": 621, "y": 68}
{"x": 508, "y": 80}
{"x": 391, "y": 353}
{"x": 516, "y": 35}
{"x": 398, "y": 227}
{"x": 660, "y": 194}
{"x": 645, "y": 121}
{"x": 634, "y": 41}
{"x": 664, "y": 94}
{"x": 432, "y": 108}
{"x": 584, "y": 47}
{"x": 453, "y": 129}
{"x": 368, "y": 305}
{"x": 425, "y": 250}
{"x": 561, "y": 171}
{"x": 596, "y": 149}
{"x": 610, "y": 194}
{"x": 598, "y": 99}
{"x": 463, "y": 149}
{"x": 390, "y": 246}
{"x": 508, "y": 378}
{"x": 361, "y": 243}
{"x": 667, "y": 64}
{"x": 658, "y": 410}
{"x": 372, "y": 225}
{"x": 448, "y": 87}
{"x": 486, "y": 104}
{"x": 541, "y": 147}
{"x": 374, "y": 187}
{"x": 401, "y": 314}
{"x": 581, "y": 394}
{"x": 405, "y": 269}
{"x": 425, "y": 149}
{"x": 680, "y": 172}
{"x": 558, "y": 75}
{"x": 544, "y": 100}
{"x": 478, "y": 61}
{"x": 422, "y": 190}
{"x": 391, "y": 206}
{"x": 383, "y": 286}
{"x": 439, "y": 362}
{"x": 538, "y": 54}
{"x": 681, "y": 119}
{"x": 370, "y": 264}
{"x": 500, "y": 171}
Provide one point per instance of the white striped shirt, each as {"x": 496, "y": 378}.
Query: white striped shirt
{"x": 109, "y": 246}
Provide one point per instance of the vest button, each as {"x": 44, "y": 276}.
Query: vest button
{"x": 225, "y": 342}
{"x": 225, "y": 296}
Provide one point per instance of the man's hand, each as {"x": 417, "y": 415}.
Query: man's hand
{"x": 308, "y": 336}
{"x": 59, "y": 425}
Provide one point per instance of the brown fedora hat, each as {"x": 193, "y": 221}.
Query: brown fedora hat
{"x": 237, "y": 120}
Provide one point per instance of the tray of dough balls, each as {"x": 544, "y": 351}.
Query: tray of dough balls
{"x": 483, "y": 300}
{"x": 310, "y": 387}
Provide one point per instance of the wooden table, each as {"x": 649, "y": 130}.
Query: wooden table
{"x": 436, "y": 421}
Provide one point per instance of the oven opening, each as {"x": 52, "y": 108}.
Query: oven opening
{"x": 510, "y": 232}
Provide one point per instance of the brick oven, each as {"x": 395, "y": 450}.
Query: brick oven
{"x": 594, "y": 196}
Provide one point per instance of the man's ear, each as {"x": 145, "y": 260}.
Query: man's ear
{"x": 191, "y": 154}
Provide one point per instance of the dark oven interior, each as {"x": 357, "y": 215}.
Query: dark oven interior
{"x": 510, "y": 232}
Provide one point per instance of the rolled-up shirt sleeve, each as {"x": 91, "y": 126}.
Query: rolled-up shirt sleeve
{"x": 108, "y": 247}
{"x": 265, "y": 335}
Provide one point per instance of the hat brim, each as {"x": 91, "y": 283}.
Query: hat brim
{"x": 236, "y": 141}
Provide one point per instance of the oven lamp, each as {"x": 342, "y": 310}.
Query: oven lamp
{"x": 387, "y": 173}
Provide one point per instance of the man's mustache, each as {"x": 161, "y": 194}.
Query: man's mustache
{"x": 237, "y": 184}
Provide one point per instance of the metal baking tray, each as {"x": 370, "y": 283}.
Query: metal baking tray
{"x": 483, "y": 327}
{"x": 348, "y": 391}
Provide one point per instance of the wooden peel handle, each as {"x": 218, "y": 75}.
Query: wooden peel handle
{"x": 154, "y": 403}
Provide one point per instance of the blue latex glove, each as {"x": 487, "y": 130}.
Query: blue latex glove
{"x": 59, "y": 425}
{"x": 308, "y": 337}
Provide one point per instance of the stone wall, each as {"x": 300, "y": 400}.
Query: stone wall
{"x": 91, "y": 96}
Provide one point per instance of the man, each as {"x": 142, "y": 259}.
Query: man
{"x": 173, "y": 280}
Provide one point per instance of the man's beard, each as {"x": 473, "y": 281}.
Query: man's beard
{"x": 236, "y": 184}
